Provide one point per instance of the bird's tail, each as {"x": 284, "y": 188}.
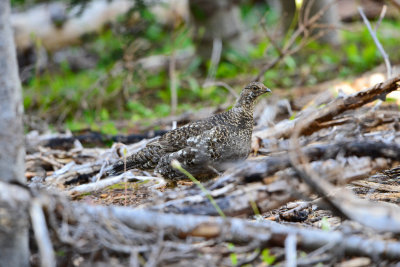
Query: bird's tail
{"x": 147, "y": 158}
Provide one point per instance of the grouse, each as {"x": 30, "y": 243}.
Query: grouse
{"x": 203, "y": 147}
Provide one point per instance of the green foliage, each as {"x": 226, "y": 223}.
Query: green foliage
{"x": 267, "y": 258}
{"x": 232, "y": 256}
{"x": 96, "y": 97}
{"x": 60, "y": 253}
{"x": 325, "y": 225}
{"x": 17, "y": 2}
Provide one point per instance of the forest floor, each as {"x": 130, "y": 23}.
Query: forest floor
{"x": 317, "y": 152}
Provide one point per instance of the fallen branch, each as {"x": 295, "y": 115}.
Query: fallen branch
{"x": 261, "y": 168}
{"x": 378, "y": 186}
{"x": 342, "y": 201}
{"x": 92, "y": 187}
{"x": 235, "y": 193}
{"x": 376, "y": 40}
{"x": 42, "y": 234}
{"x": 232, "y": 201}
{"x": 316, "y": 118}
{"x": 90, "y": 138}
{"x": 239, "y": 230}
{"x": 65, "y": 218}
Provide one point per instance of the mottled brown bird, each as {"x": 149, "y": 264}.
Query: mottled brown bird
{"x": 203, "y": 147}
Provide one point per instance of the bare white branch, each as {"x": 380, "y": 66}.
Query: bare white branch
{"x": 47, "y": 258}
{"x": 377, "y": 43}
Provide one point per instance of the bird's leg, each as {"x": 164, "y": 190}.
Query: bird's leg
{"x": 188, "y": 157}
{"x": 214, "y": 170}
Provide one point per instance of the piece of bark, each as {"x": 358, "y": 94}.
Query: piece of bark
{"x": 377, "y": 186}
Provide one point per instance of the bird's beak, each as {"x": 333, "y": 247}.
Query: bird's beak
{"x": 267, "y": 90}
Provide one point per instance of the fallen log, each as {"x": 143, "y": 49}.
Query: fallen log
{"x": 65, "y": 221}
{"x": 362, "y": 148}
{"x": 241, "y": 196}
{"x": 93, "y": 138}
{"x": 233, "y": 201}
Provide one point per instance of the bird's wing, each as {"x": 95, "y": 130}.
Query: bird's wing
{"x": 177, "y": 139}
{"x": 199, "y": 152}
{"x": 210, "y": 143}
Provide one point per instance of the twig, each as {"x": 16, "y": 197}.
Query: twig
{"x": 381, "y": 16}
{"x": 47, "y": 258}
{"x": 270, "y": 38}
{"x": 125, "y": 179}
{"x": 306, "y": 8}
{"x": 377, "y": 186}
{"x": 378, "y": 44}
{"x": 288, "y": 48}
{"x": 290, "y": 250}
{"x": 215, "y": 58}
{"x": 219, "y": 83}
{"x": 173, "y": 87}
{"x": 256, "y": 254}
{"x": 51, "y": 161}
{"x": 87, "y": 188}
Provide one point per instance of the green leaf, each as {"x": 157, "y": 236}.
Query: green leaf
{"x": 109, "y": 128}
{"x": 104, "y": 114}
{"x": 290, "y": 62}
{"x": 233, "y": 256}
{"x": 325, "y": 225}
{"x": 267, "y": 258}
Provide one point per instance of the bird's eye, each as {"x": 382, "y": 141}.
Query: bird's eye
{"x": 254, "y": 88}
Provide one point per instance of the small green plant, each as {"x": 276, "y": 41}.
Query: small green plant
{"x": 254, "y": 206}
{"x": 325, "y": 225}
{"x": 232, "y": 256}
{"x": 267, "y": 258}
{"x": 175, "y": 164}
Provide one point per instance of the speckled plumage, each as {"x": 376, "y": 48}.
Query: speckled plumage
{"x": 202, "y": 147}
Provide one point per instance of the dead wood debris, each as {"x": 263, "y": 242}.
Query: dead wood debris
{"x": 78, "y": 228}
{"x": 328, "y": 112}
{"x": 345, "y": 152}
{"x": 89, "y": 138}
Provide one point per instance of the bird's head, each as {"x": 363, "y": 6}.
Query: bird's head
{"x": 255, "y": 89}
{"x": 250, "y": 93}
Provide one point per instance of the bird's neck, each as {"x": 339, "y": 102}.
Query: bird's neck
{"x": 245, "y": 104}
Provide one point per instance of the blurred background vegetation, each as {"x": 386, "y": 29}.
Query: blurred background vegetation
{"x": 103, "y": 87}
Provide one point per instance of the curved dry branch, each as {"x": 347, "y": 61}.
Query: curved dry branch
{"x": 316, "y": 118}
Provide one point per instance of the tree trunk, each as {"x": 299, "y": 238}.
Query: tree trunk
{"x": 330, "y": 18}
{"x": 13, "y": 223}
{"x": 217, "y": 20}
